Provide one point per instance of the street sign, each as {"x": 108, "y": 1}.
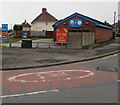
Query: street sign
{"x": 62, "y": 35}
{"x": 4, "y": 32}
{"x": 4, "y": 38}
{"x": 4, "y": 27}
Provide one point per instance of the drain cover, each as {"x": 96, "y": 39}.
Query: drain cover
{"x": 111, "y": 69}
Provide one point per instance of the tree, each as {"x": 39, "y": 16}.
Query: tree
{"x": 17, "y": 27}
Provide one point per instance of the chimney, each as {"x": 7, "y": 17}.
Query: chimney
{"x": 44, "y": 10}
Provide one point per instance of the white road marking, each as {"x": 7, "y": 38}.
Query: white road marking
{"x": 55, "y": 73}
{"x": 118, "y": 80}
{"x": 114, "y": 44}
{"x": 48, "y": 74}
{"x": 27, "y": 94}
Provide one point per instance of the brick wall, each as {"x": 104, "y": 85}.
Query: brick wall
{"x": 19, "y": 33}
{"x": 86, "y": 25}
{"x": 49, "y": 34}
{"x": 103, "y": 34}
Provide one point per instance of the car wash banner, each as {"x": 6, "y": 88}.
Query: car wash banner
{"x": 61, "y": 35}
{"x": 4, "y": 32}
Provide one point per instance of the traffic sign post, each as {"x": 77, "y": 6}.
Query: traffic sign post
{"x": 4, "y": 32}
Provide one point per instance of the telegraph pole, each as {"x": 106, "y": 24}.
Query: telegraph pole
{"x": 114, "y": 17}
{"x": 11, "y": 26}
{"x": 115, "y": 23}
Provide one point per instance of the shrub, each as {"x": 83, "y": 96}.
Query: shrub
{"x": 17, "y": 27}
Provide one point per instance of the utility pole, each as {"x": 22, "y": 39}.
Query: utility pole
{"x": 114, "y": 17}
{"x": 11, "y": 26}
{"x": 114, "y": 23}
{"x": 119, "y": 10}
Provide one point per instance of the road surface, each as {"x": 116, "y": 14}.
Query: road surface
{"x": 72, "y": 83}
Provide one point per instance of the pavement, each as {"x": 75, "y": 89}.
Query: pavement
{"x": 23, "y": 58}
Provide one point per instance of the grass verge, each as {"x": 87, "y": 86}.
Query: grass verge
{"x": 90, "y": 46}
{"x": 18, "y": 39}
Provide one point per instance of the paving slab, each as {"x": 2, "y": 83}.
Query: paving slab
{"x": 35, "y": 57}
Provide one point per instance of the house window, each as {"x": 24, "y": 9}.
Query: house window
{"x": 64, "y": 23}
{"x": 46, "y": 23}
{"x": 87, "y": 23}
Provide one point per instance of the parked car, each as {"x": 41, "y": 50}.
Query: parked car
{"x": 118, "y": 34}
{"x": 11, "y": 33}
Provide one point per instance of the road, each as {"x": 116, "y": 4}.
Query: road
{"x": 72, "y": 83}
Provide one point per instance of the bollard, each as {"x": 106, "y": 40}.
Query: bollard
{"x": 62, "y": 45}
{"x": 36, "y": 44}
{"x": 49, "y": 45}
{"x": 10, "y": 44}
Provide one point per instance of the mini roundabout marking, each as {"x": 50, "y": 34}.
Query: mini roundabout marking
{"x": 39, "y": 82}
{"x": 42, "y": 76}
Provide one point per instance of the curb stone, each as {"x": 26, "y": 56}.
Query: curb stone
{"x": 61, "y": 63}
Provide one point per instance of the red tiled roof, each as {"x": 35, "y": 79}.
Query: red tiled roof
{"x": 45, "y": 16}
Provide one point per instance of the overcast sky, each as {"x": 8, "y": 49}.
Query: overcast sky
{"x": 15, "y": 12}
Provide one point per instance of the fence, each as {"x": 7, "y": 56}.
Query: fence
{"x": 34, "y": 44}
{"x": 37, "y": 33}
{"x": 80, "y": 39}
{"x": 88, "y": 38}
{"x": 42, "y": 33}
{"x": 49, "y": 34}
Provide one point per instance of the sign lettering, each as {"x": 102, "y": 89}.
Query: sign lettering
{"x": 62, "y": 35}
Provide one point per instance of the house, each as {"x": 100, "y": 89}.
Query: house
{"x": 83, "y": 30}
{"x": 117, "y": 26}
{"x": 26, "y": 27}
{"x": 43, "y": 23}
